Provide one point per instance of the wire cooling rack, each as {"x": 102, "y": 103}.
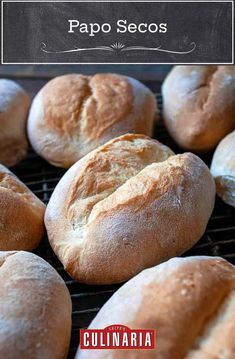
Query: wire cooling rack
{"x": 41, "y": 178}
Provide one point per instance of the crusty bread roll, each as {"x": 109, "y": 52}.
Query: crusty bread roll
{"x": 189, "y": 301}
{"x": 223, "y": 169}
{"x": 128, "y": 205}
{"x": 199, "y": 105}
{"x": 14, "y": 105}
{"x": 74, "y": 114}
{"x": 35, "y": 315}
{"x": 21, "y": 214}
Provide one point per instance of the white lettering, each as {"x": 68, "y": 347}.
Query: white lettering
{"x": 148, "y": 340}
{"x": 84, "y": 28}
{"x": 108, "y": 26}
{"x": 163, "y": 28}
{"x": 102, "y": 343}
{"x": 121, "y": 26}
{"x": 125, "y": 339}
{"x": 144, "y": 25}
{"x": 133, "y": 339}
{"x": 116, "y": 339}
{"x": 153, "y": 28}
{"x": 94, "y": 340}
{"x": 72, "y": 24}
{"x": 86, "y": 339}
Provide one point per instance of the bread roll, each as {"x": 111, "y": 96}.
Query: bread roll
{"x": 74, "y": 114}
{"x": 189, "y": 301}
{"x": 199, "y": 105}
{"x": 21, "y": 215}
{"x": 128, "y": 205}
{"x": 14, "y": 105}
{"x": 35, "y": 316}
{"x": 223, "y": 169}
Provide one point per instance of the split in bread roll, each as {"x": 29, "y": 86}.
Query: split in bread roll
{"x": 190, "y": 302}
{"x": 21, "y": 215}
{"x": 128, "y": 205}
{"x": 14, "y": 106}
{"x": 199, "y": 105}
{"x": 35, "y": 316}
{"x": 74, "y": 114}
{"x": 223, "y": 169}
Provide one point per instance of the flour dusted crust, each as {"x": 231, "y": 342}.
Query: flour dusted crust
{"x": 14, "y": 105}
{"x": 128, "y": 205}
{"x": 199, "y": 105}
{"x": 189, "y": 301}
{"x": 21, "y": 214}
{"x": 35, "y": 315}
{"x": 74, "y": 114}
{"x": 223, "y": 169}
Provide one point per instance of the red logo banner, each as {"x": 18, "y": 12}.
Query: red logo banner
{"x": 117, "y": 336}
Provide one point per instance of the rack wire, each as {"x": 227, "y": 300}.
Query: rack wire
{"x": 41, "y": 178}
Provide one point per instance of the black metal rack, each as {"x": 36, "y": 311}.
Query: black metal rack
{"x": 41, "y": 178}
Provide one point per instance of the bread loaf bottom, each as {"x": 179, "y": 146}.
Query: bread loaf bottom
{"x": 14, "y": 106}
{"x": 199, "y": 105}
{"x": 21, "y": 214}
{"x": 73, "y": 114}
{"x": 35, "y": 315}
{"x": 128, "y": 205}
{"x": 223, "y": 169}
{"x": 189, "y": 301}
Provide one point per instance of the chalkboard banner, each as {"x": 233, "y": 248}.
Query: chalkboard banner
{"x": 143, "y": 32}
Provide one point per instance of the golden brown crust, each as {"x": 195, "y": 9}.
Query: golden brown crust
{"x": 35, "y": 317}
{"x": 189, "y": 301}
{"x": 21, "y": 215}
{"x": 199, "y": 105}
{"x": 223, "y": 169}
{"x": 73, "y": 114}
{"x": 14, "y": 105}
{"x": 127, "y": 206}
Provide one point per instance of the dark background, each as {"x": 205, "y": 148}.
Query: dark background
{"x": 142, "y": 72}
{"x": 28, "y": 25}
